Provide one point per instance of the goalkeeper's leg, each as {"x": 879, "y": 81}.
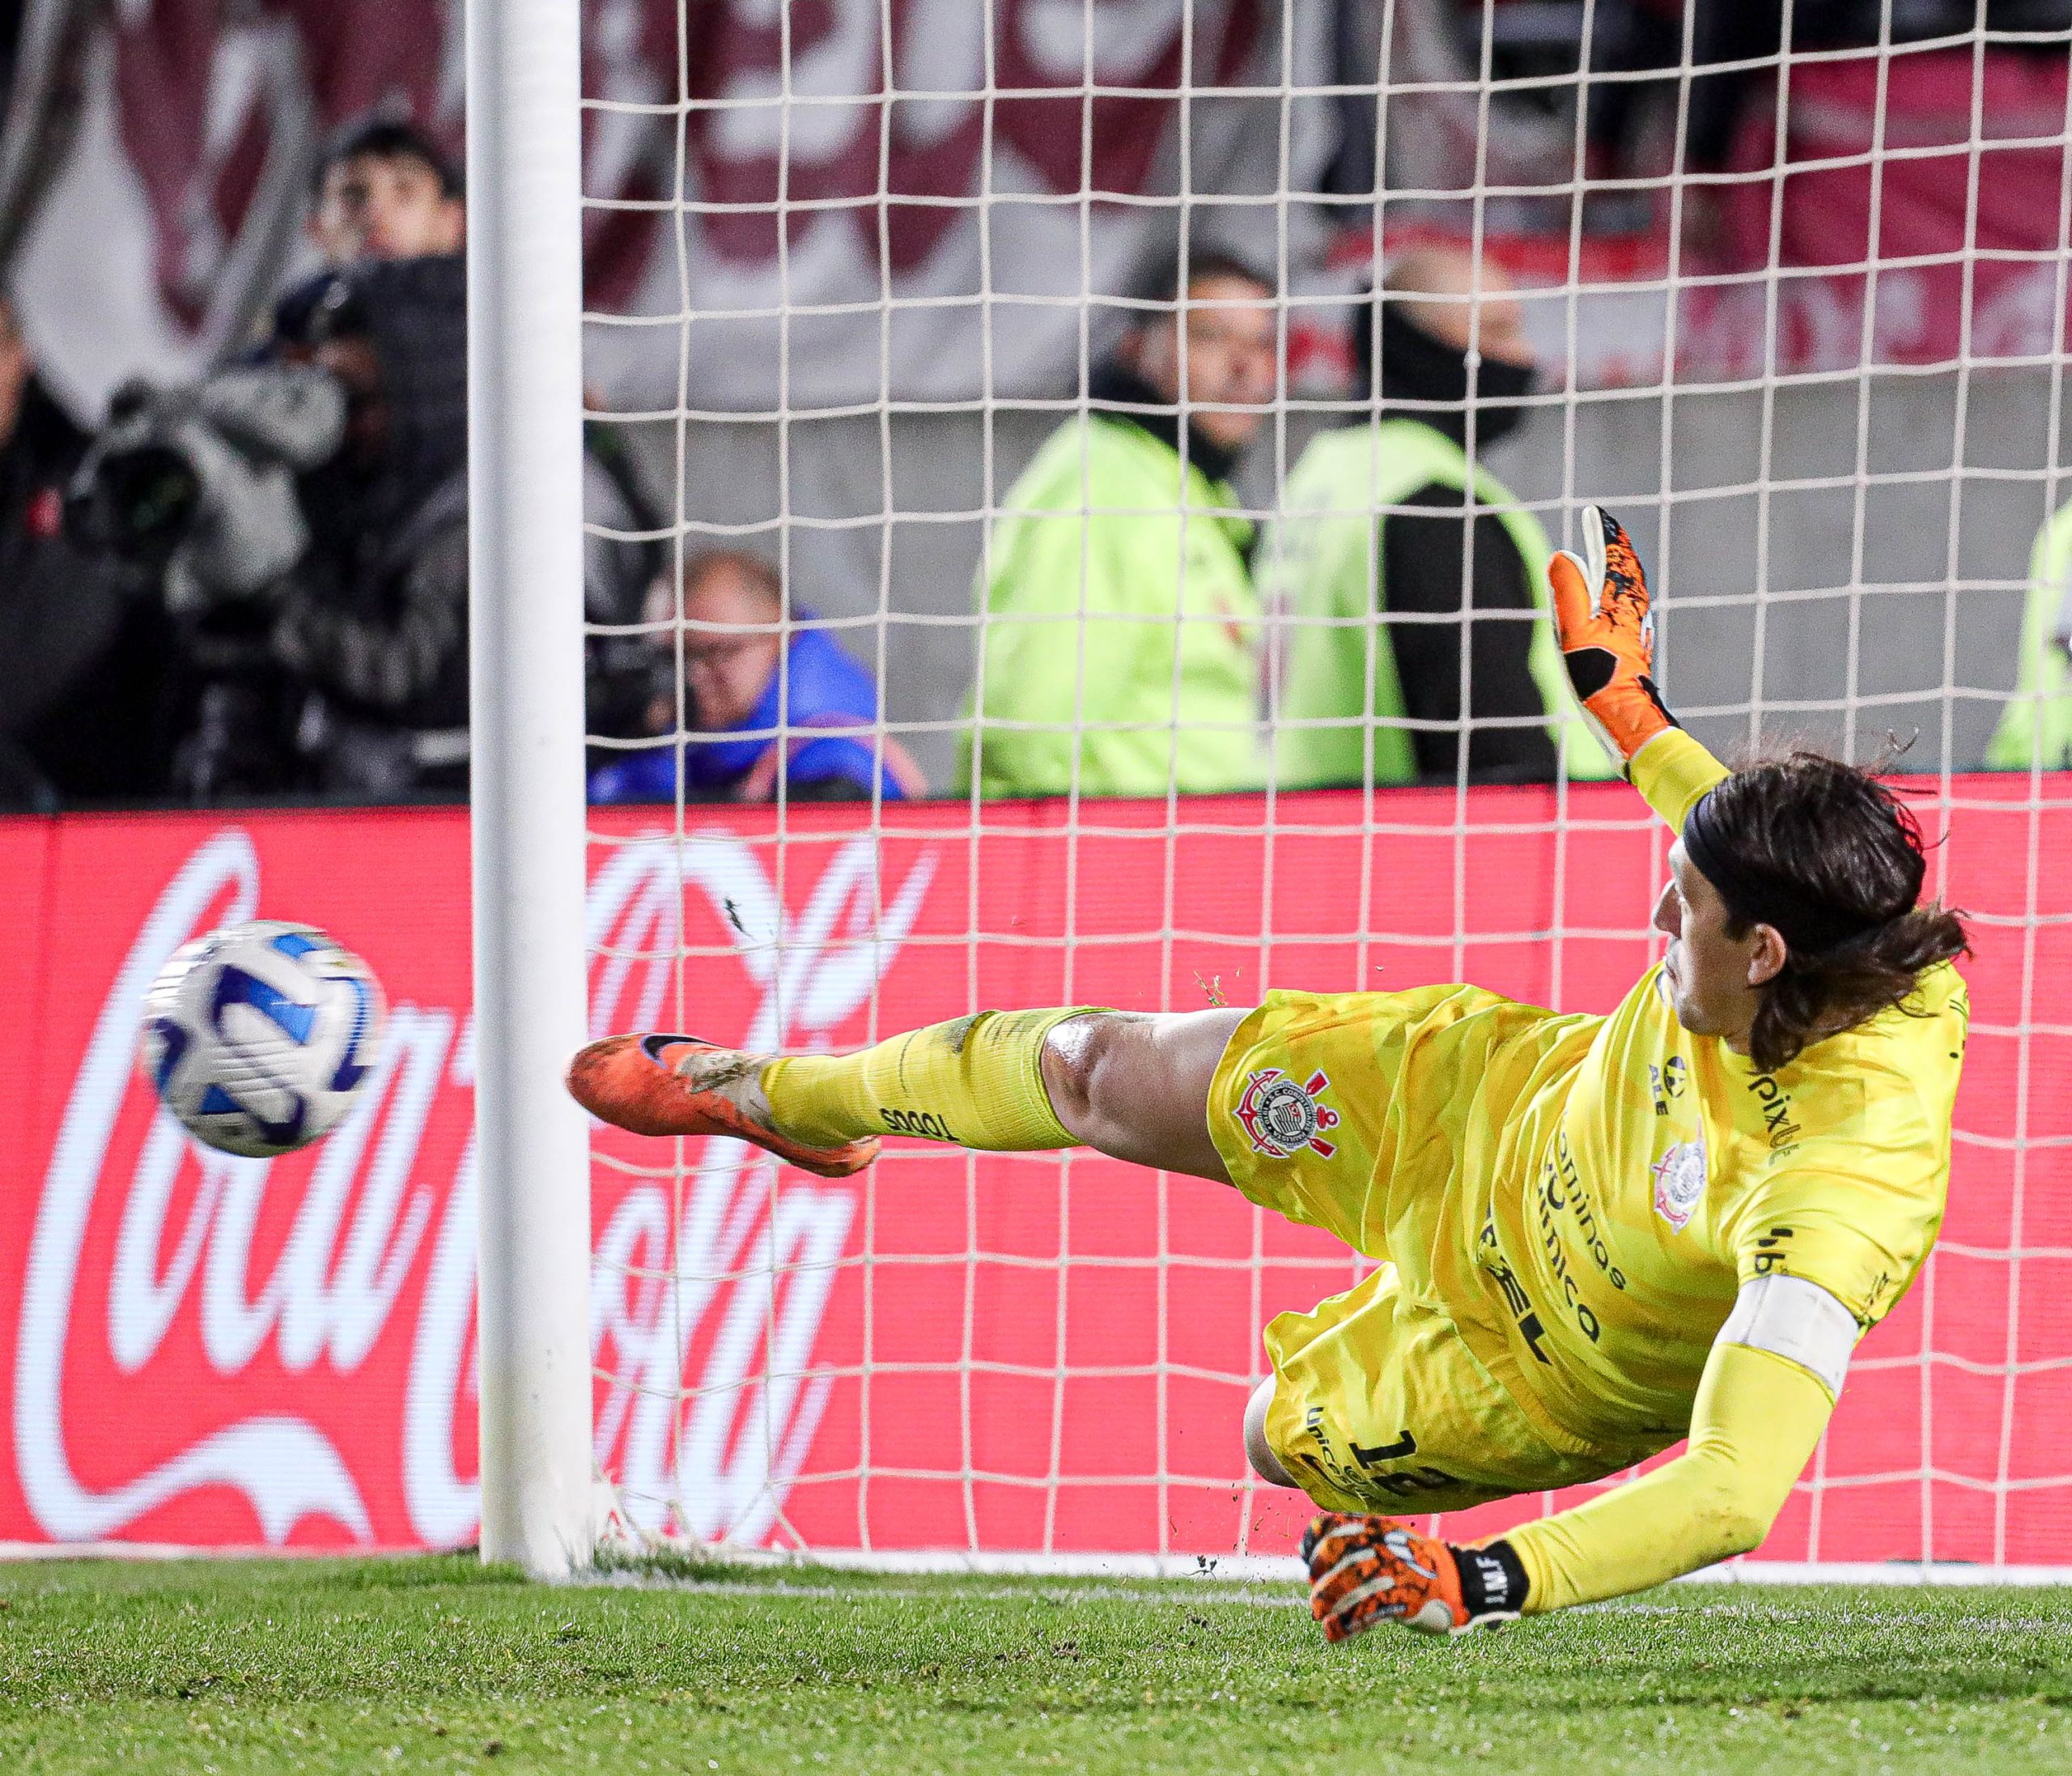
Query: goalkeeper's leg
{"x": 1131, "y": 1085}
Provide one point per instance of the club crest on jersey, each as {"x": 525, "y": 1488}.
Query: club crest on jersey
{"x": 1280, "y": 1117}
{"x": 1679, "y": 1183}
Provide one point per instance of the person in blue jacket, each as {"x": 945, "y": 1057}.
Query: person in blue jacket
{"x": 767, "y": 698}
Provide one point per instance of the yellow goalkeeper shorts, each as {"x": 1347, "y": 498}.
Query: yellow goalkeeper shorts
{"x": 1347, "y": 1111}
{"x": 1379, "y": 1404}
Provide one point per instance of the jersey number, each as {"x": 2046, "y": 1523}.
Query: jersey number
{"x": 1404, "y": 1445}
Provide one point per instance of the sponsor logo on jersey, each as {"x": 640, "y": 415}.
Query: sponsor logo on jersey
{"x": 1679, "y": 1183}
{"x": 1666, "y": 1083}
{"x": 1530, "y": 1327}
{"x": 1773, "y": 1252}
{"x": 1280, "y": 1118}
{"x": 1779, "y": 1125}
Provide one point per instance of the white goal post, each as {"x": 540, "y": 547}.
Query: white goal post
{"x": 525, "y": 394}
{"x": 848, "y": 272}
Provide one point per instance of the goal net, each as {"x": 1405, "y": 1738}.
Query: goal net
{"x": 1797, "y": 308}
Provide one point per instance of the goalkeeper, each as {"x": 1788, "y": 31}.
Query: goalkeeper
{"x": 1601, "y": 1233}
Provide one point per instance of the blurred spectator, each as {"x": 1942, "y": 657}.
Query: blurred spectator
{"x": 1120, "y": 651}
{"x": 766, "y": 699}
{"x": 1376, "y": 523}
{"x": 81, "y": 655}
{"x": 2036, "y": 727}
{"x": 307, "y": 524}
{"x": 383, "y": 189}
{"x": 302, "y": 511}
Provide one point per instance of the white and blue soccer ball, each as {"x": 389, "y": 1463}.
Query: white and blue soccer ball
{"x": 257, "y": 1036}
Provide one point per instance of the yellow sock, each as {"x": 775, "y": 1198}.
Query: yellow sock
{"x": 976, "y": 1081}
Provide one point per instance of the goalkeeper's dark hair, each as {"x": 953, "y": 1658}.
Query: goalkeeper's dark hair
{"x": 1839, "y": 843}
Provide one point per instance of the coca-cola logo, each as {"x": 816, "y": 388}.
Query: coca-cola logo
{"x": 709, "y": 1292}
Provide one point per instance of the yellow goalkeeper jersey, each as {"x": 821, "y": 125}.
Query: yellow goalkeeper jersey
{"x": 1642, "y": 1174}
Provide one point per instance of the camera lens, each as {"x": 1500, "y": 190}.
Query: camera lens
{"x": 149, "y": 495}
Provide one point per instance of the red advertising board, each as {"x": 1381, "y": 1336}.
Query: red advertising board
{"x": 1000, "y": 1354}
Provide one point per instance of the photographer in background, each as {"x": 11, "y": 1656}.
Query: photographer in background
{"x": 385, "y": 190}
{"x": 308, "y": 523}
{"x": 771, "y": 703}
{"x": 81, "y": 655}
{"x": 374, "y": 624}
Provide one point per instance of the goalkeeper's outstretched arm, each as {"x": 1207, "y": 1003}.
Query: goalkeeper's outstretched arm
{"x": 1604, "y": 616}
{"x": 1769, "y": 1389}
{"x": 1757, "y": 1417}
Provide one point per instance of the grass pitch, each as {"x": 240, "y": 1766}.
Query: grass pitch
{"x": 268, "y": 1666}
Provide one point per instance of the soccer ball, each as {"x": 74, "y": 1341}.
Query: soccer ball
{"x": 257, "y": 1036}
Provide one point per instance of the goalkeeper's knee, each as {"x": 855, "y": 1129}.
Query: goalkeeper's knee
{"x": 1258, "y": 1450}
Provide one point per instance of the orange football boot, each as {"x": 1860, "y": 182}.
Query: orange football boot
{"x": 679, "y": 1085}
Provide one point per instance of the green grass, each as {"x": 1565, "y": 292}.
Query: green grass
{"x": 265, "y": 1666}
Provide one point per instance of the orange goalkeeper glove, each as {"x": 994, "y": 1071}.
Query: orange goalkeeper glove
{"x": 1607, "y": 633}
{"x": 1368, "y": 1570}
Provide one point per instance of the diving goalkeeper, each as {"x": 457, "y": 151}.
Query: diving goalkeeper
{"x": 1601, "y": 1233}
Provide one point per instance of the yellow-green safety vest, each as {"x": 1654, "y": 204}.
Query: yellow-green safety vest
{"x": 1120, "y": 644}
{"x": 1322, "y": 564}
{"x": 2036, "y": 727}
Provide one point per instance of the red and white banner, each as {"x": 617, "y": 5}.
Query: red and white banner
{"x": 1876, "y": 207}
{"x": 947, "y": 1352}
{"x": 1929, "y": 190}
{"x": 835, "y": 160}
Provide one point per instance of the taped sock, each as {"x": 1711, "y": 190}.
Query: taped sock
{"x": 976, "y": 1081}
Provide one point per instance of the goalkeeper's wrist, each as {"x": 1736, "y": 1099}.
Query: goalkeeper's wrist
{"x": 1493, "y": 1580}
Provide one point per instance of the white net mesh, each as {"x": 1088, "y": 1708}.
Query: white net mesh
{"x": 1797, "y": 304}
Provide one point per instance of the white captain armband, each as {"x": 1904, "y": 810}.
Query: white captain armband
{"x": 1797, "y": 1320}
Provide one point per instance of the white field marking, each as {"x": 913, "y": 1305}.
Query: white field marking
{"x": 1285, "y": 1569}
{"x": 1222, "y": 1570}
{"x": 156, "y": 1551}
{"x": 1272, "y": 1569}
{"x": 1219, "y": 1596}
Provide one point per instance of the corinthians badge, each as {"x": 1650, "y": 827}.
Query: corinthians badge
{"x": 1679, "y": 1183}
{"x": 1280, "y": 1117}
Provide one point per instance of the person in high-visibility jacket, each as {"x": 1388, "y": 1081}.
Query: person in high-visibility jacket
{"x": 1120, "y": 652}
{"x": 1395, "y": 551}
{"x": 2036, "y": 727}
